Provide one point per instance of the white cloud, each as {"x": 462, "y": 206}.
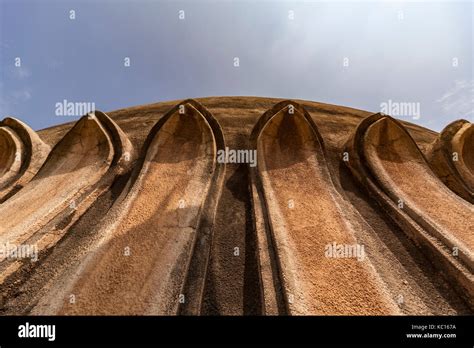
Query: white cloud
{"x": 458, "y": 101}
{"x": 10, "y": 101}
{"x": 19, "y": 96}
{"x": 4, "y": 109}
{"x": 21, "y": 73}
{"x": 54, "y": 63}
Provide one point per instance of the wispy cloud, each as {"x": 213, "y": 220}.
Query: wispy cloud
{"x": 9, "y": 101}
{"x": 4, "y": 109}
{"x": 20, "y": 96}
{"x": 54, "y": 63}
{"x": 21, "y": 73}
{"x": 458, "y": 101}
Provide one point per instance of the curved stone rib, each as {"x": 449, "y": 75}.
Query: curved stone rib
{"x": 306, "y": 221}
{"x": 22, "y": 153}
{"x": 150, "y": 239}
{"x": 387, "y": 161}
{"x": 11, "y": 149}
{"x": 78, "y": 160}
{"x": 78, "y": 170}
{"x": 451, "y": 156}
{"x": 400, "y": 168}
{"x": 124, "y": 152}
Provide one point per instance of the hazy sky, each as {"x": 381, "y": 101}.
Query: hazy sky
{"x": 357, "y": 54}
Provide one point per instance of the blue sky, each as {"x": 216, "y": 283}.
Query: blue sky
{"x": 396, "y": 51}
